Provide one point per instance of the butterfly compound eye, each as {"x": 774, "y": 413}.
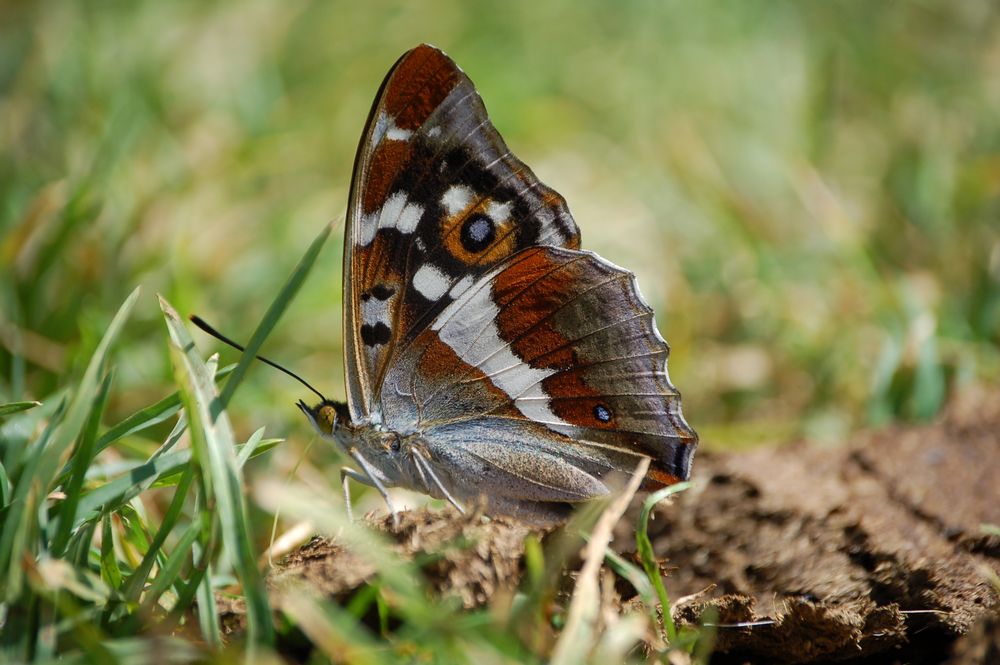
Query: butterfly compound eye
{"x": 327, "y": 418}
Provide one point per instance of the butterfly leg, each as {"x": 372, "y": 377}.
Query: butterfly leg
{"x": 424, "y": 466}
{"x": 372, "y": 478}
{"x": 347, "y": 474}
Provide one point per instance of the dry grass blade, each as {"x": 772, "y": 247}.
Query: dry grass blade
{"x": 576, "y": 639}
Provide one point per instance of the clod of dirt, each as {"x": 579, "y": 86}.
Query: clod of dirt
{"x": 801, "y": 631}
{"x": 466, "y": 556}
{"x": 851, "y": 551}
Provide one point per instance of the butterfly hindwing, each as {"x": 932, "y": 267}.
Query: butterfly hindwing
{"x": 554, "y": 345}
{"x": 437, "y": 201}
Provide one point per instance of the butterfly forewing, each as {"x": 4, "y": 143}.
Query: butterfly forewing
{"x": 437, "y": 201}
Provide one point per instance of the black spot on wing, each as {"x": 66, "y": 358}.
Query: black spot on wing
{"x": 373, "y": 335}
{"x": 465, "y": 168}
{"x": 382, "y": 292}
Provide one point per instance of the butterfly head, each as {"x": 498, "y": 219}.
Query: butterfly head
{"x": 327, "y": 416}
{"x": 385, "y": 457}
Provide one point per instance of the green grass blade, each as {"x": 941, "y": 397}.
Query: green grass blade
{"x": 644, "y": 547}
{"x": 144, "y": 418}
{"x": 115, "y": 493}
{"x": 160, "y": 471}
{"x": 17, "y": 432}
{"x": 153, "y": 471}
{"x": 274, "y": 313}
{"x": 140, "y": 420}
{"x": 638, "y": 579}
{"x": 633, "y": 574}
{"x": 78, "y": 550}
{"x": 134, "y": 584}
{"x": 110, "y": 572}
{"x": 134, "y": 532}
{"x": 16, "y": 407}
{"x": 251, "y": 445}
{"x": 198, "y": 581}
{"x": 214, "y": 444}
{"x": 204, "y": 596}
{"x": 18, "y": 514}
{"x": 140, "y": 651}
{"x": 180, "y": 427}
{"x": 171, "y": 569}
{"x": 81, "y": 460}
{"x": 4, "y": 487}
{"x": 171, "y": 478}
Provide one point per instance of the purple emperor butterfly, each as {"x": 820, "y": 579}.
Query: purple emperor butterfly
{"x": 486, "y": 355}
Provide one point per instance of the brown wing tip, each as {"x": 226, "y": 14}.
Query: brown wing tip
{"x": 426, "y": 50}
{"x": 418, "y": 83}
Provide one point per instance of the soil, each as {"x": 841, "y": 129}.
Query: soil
{"x": 872, "y": 551}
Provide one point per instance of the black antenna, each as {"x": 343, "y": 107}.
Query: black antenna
{"x": 201, "y": 323}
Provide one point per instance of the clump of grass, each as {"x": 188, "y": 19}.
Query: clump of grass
{"x": 83, "y": 565}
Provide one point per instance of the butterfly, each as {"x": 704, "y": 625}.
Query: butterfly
{"x": 487, "y": 357}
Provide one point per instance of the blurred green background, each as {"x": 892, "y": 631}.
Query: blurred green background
{"x": 808, "y": 191}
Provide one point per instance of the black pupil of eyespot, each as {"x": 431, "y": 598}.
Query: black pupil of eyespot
{"x": 602, "y": 413}
{"x": 478, "y": 232}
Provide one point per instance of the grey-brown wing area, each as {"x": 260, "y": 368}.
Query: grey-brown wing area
{"x": 557, "y": 339}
